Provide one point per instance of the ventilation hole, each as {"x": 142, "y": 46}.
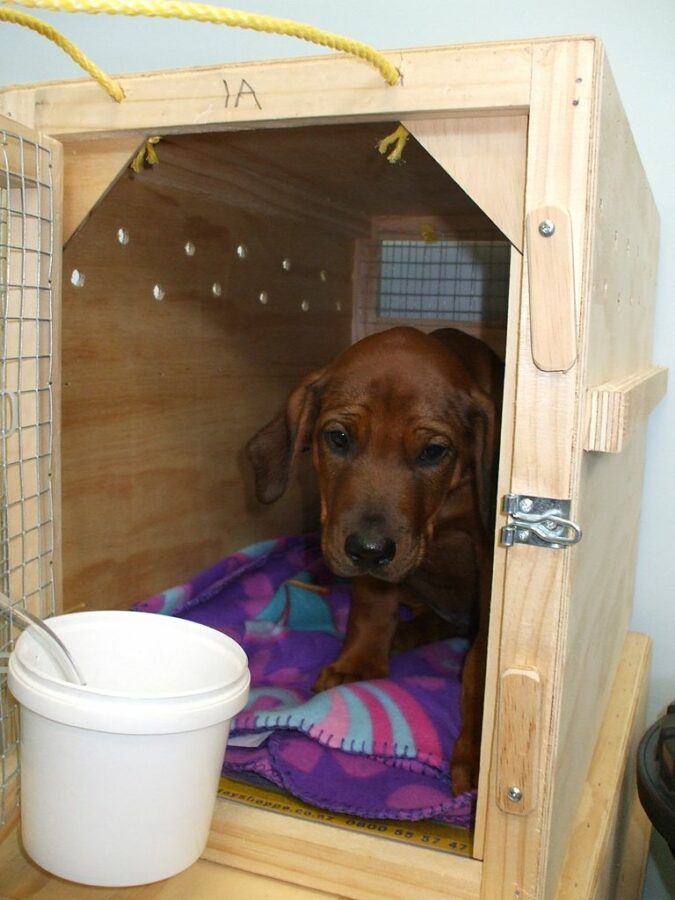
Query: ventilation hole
{"x": 77, "y": 278}
{"x": 216, "y": 289}
{"x": 323, "y": 275}
{"x": 158, "y": 292}
{"x": 122, "y": 236}
{"x": 286, "y": 264}
{"x": 263, "y": 297}
{"x": 242, "y": 251}
{"x": 190, "y": 249}
{"x": 304, "y": 306}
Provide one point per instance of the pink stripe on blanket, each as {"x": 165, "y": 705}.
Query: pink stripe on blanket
{"x": 383, "y": 737}
{"x": 424, "y": 731}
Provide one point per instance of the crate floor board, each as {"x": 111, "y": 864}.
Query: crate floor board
{"x": 21, "y": 878}
{"x": 424, "y": 833}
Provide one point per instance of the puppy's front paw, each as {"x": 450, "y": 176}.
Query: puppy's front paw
{"x": 464, "y": 777}
{"x": 464, "y": 766}
{"x": 339, "y": 673}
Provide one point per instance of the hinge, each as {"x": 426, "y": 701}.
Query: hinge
{"x": 539, "y": 521}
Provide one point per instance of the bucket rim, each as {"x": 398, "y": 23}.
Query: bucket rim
{"x": 239, "y": 681}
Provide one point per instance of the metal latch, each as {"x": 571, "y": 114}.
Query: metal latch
{"x": 539, "y": 521}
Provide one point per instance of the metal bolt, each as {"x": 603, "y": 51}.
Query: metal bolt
{"x": 526, "y": 504}
{"x": 514, "y": 793}
{"x": 546, "y": 228}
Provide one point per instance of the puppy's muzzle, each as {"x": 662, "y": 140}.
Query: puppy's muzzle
{"x": 368, "y": 551}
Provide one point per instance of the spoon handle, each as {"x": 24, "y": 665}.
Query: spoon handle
{"x": 54, "y": 642}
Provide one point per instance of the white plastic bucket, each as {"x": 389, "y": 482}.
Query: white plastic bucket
{"x": 119, "y": 777}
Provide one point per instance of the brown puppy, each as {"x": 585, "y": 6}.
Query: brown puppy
{"x": 404, "y": 431}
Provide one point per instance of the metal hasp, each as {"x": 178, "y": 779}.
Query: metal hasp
{"x": 539, "y": 521}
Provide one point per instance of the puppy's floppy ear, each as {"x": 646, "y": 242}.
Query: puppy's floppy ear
{"x": 273, "y": 450}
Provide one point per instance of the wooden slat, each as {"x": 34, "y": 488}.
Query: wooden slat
{"x": 550, "y": 270}
{"x": 616, "y": 408}
{"x": 495, "y": 76}
{"x": 90, "y": 169}
{"x": 519, "y": 739}
{"x": 356, "y": 866}
{"x": 486, "y": 157}
{"x": 486, "y": 796}
{"x": 608, "y": 842}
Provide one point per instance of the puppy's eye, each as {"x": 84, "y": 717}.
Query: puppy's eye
{"x": 338, "y": 441}
{"x": 432, "y": 454}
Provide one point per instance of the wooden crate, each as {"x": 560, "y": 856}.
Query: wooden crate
{"x": 249, "y": 229}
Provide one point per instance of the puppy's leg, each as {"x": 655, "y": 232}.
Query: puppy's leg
{"x": 466, "y": 755}
{"x": 373, "y": 616}
{"x": 425, "y": 627}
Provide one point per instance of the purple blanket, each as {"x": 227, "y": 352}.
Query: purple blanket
{"x": 379, "y": 748}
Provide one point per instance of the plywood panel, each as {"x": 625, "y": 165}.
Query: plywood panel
{"x": 90, "y": 169}
{"x": 332, "y": 176}
{"x": 617, "y": 343}
{"x": 486, "y": 156}
{"x": 161, "y": 396}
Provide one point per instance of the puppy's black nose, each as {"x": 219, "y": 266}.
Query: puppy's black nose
{"x": 364, "y": 550}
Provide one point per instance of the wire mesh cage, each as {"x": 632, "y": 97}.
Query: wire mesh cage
{"x": 431, "y": 281}
{"x": 26, "y": 409}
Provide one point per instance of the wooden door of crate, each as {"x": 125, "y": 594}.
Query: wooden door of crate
{"x": 579, "y": 386}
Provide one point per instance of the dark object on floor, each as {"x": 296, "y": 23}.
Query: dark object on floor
{"x": 656, "y": 776}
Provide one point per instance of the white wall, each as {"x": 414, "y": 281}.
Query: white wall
{"x": 640, "y": 39}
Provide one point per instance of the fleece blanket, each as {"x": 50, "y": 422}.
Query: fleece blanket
{"x": 378, "y": 748}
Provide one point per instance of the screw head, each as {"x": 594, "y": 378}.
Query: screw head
{"x": 526, "y": 504}
{"x": 523, "y": 534}
{"x": 514, "y": 794}
{"x": 546, "y": 228}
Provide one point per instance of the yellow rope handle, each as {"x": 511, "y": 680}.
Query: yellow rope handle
{"x": 21, "y": 18}
{"x": 201, "y": 12}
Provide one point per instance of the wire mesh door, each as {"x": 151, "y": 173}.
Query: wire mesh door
{"x": 27, "y": 523}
